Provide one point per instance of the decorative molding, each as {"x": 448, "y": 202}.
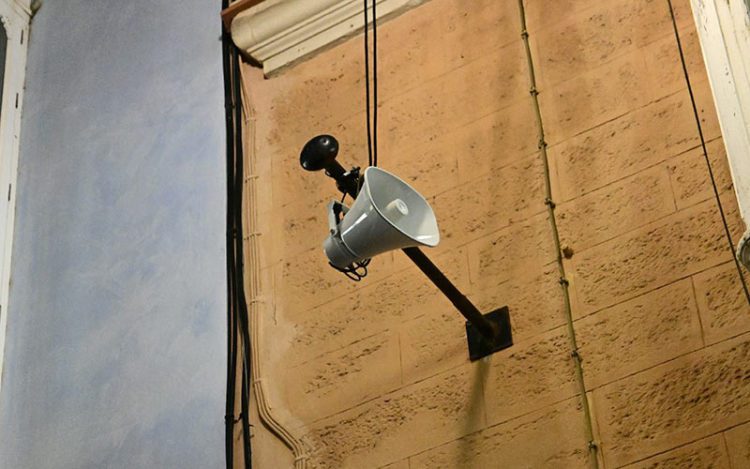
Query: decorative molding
{"x": 235, "y": 8}
{"x": 276, "y": 33}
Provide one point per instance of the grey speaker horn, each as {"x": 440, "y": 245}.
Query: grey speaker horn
{"x": 387, "y": 214}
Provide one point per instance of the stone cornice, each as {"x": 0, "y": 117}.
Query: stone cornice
{"x": 276, "y": 33}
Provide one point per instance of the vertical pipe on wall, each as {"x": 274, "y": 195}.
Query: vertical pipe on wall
{"x": 252, "y": 287}
{"x": 588, "y": 420}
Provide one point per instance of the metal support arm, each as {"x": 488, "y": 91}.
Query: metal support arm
{"x": 485, "y": 334}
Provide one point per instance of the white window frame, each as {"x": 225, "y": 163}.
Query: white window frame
{"x": 15, "y": 16}
{"x": 724, "y": 31}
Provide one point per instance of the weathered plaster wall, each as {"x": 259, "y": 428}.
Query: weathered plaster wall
{"x": 116, "y": 333}
{"x": 375, "y": 374}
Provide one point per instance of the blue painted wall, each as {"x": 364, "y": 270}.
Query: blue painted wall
{"x": 116, "y": 340}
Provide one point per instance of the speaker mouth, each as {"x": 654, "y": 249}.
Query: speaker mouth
{"x": 402, "y": 206}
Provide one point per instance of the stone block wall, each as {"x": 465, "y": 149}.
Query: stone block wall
{"x": 375, "y": 374}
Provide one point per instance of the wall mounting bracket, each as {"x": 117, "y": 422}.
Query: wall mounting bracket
{"x": 479, "y": 346}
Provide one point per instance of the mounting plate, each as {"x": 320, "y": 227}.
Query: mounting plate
{"x": 480, "y": 347}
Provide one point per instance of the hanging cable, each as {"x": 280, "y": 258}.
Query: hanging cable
{"x": 238, "y": 341}
{"x": 241, "y": 303}
{"x": 371, "y": 100}
{"x": 727, "y": 231}
{"x": 367, "y": 89}
{"x": 564, "y": 284}
{"x": 358, "y": 270}
{"x": 229, "y": 419}
{"x": 374, "y": 83}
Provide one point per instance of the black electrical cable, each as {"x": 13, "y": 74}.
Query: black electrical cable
{"x": 367, "y": 89}
{"x": 246, "y": 416}
{"x": 372, "y": 125}
{"x": 237, "y": 319}
{"x": 358, "y": 270}
{"x": 231, "y": 326}
{"x": 238, "y": 252}
{"x": 727, "y": 231}
{"x": 374, "y": 83}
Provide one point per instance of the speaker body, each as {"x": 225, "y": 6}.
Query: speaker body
{"x": 387, "y": 214}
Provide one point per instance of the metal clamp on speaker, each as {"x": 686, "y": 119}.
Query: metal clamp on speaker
{"x": 338, "y": 254}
